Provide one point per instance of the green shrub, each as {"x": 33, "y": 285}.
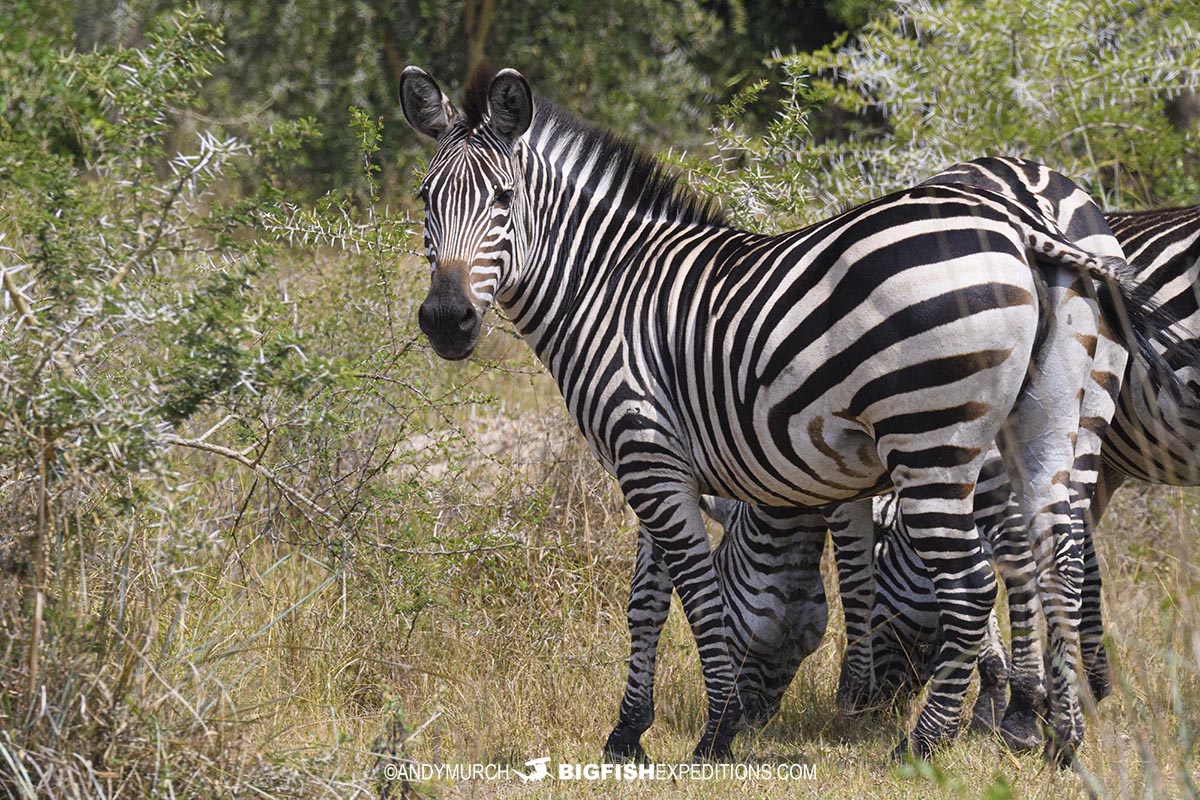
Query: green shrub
{"x": 1082, "y": 86}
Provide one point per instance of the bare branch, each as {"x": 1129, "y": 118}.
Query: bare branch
{"x": 298, "y": 498}
{"x": 18, "y": 298}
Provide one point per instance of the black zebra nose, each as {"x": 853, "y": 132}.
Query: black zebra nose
{"x": 449, "y": 319}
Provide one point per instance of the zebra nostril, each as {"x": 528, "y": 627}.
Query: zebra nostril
{"x": 468, "y": 319}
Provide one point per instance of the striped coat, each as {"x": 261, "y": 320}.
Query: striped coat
{"x": 885, "y": 347}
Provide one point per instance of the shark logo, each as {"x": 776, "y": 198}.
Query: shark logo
{"x": 537, "y": 770}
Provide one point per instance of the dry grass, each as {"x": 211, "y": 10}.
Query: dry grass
{"x": 554, "y": 690}
{"x": 478, "y": 616}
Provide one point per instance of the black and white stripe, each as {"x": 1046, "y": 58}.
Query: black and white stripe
{"x": 1072, "y": 211}
{"x": 885, "y": 347}
{"x": 1153, "y": 437}
{"x": 768, "y": 563}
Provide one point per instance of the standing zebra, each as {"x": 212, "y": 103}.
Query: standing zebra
{"x": 1017, "y": 555}
{"x": 1153, "y": 438}
{"x": 885, "y": 347}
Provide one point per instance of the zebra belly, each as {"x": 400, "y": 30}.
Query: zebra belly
{"x": 841, "y": 463}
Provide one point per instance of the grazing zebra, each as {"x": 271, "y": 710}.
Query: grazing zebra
{"x": 768, "y": 565}
{"x": 1152, "y": 438}
{"x": 885, "y": 347}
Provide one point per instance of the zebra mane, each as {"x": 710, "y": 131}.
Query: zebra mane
{"x": 475, "y": 94}
{"x": 650, "y": 186}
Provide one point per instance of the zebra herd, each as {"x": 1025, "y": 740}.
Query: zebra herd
{"x": 959, "y": 348}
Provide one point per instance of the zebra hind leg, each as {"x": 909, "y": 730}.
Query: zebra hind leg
{"x": 1091, "y": 621}
{"x": 1060, "y": 573}
{"x": 941, "y": 524}
{"x": 649, "y": 604}
{"x": 1091, "y": 625}
{"x": 1038, "y": 445}
{"x": 1091, "y": 486}
{"x": 1020, "y": 727}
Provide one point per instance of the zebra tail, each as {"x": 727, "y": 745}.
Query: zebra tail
{"x": 1128, "y": 308}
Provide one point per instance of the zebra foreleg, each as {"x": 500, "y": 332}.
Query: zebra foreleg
{"x": 670, "y": 515}
{"x": 853, "y": 531}
{"x": 649, "y": 604}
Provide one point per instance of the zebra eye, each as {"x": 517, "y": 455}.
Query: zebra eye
{"x": 504, "y": 197}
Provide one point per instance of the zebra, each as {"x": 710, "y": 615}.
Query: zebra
{"x": 885, "y": 347}
{"x": 778, "y": 612}
{"x": 1151, "y": 438}
{"x": 768, "y": 566}
{"x": 902, "y": 628}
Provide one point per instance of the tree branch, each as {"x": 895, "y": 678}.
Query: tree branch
{"x": 18, "y": 299}
{"x": 298, "y": 498}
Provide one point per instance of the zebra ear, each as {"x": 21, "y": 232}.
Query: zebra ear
{"x": 510, "y": 104}
{"x": 426, "y": 107}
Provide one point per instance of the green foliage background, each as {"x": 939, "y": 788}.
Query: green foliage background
{"x": 220, "y": 431}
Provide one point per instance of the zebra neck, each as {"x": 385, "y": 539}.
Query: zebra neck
{"x": 593, "y": 222}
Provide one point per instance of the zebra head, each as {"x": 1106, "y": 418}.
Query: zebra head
{"x": 470, "y": 191}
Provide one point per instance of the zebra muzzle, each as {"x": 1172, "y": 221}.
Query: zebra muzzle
{"x": 449, "y": 319}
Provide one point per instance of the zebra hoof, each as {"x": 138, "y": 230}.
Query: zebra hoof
{"x": 624, "y": 748}
{"x": 912, "y": 748}
{"x": 1061, "y": 751}
{"x": 1020, "y": 732}
{"x": 988, "y": 711}
{"x": 714, "y": 751}
{"x": 856, "y": 700}
{"x": 1098, "y": 676}
{"x": 757, "y": 715}
{"x": 716, "y": 744}
{"x": 1100, "y": 685}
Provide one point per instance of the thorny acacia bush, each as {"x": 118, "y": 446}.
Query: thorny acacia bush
{"x": 1086, "y": 87}
{"x": 201, "y": 395}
